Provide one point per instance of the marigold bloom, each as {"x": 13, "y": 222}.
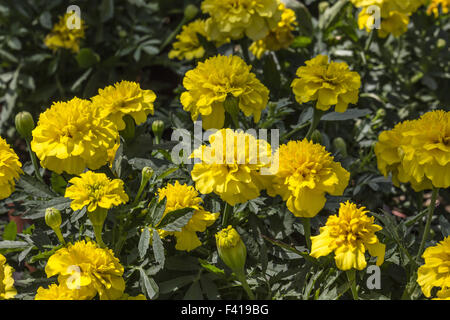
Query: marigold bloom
{"x": 394, "y": 15}
{"x": 125, "y": 97}
{"x": 278, "y": 38}
{"x": 328, "y": 83}
{"x": 433, "y": 8}
{"x": 236, "y": 18}
{"x": 181, "y": 196}
{"x": 188, "y": 46}
{"x": 216, "y": 79}
{"x": 231, "y": 166}
{"x": 306, "y": 172}
{"x": 62, "y": 292}
{"x": 71, "y": 136}
{"x": 95, "y": 190}
{"x": 10, "y": 169}
{"x": 417, "y": 151}
{"x": 62, "y": 36}
{"x": 85, "y": 266}
{"x": 436, "y": 270}
{"x": 7, "y": 290}
{"x": 349, "y": 234}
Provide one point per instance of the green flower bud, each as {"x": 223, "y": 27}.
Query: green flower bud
{"x": 441, "y": 43}
{"x": 130, "y": 127}
{"x": 24, "y": 124}
{"x": 340, "y": 145}
{"x": 316, "y": 137}
{"x": 231, "y": 249}
{"x": 147, "y": 173}
{"x": 158, "y": 128}
{"x": 53, "y": 218}
{"x": 190, "y": 12}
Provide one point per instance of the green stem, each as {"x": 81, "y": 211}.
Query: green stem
{"x": 98, "y": 235}
{"x": 244, "y": 48}
{"x": 227, "y": 211}
{"x": 34, "y": 161}
{"x": 426, "y": 232}
{"x": 295, "y": 130}
{"x": 173, "y": 34}
{"x": 314, "y": 122}
{"x": 307, "y": 228}
{"x": 351, "y": 275}
{"x": 59, "y": 235}
{"x": 244, "y": 284}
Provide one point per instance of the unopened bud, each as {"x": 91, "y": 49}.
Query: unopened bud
{"x": 231, "y": 249}
{"x": 24, "y": 124}
{"x": 316, "y": 137}
{"x": 190, "y": 12}
{"x": 53, "y": 218}
{"x": 147, "y": 173}
{"x": 158, "y": 128}
{"x": 340, "y": 145}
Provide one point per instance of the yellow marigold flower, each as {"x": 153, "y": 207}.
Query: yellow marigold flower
{"x": 436, "y": 270}
{"x": 433, "y": 8}
{"x": 278, "y": 38}
{"x": 394, "y": 15}
{"x": 83, "y": 265}
{"x": 125, "y": 97}
{"x": 306, "y": 172}
{"x": 181, "y": 196}
{"x": 188, "y": 45}
{"x": 10, "y": 169}
{"x": 7, "y": 290}
{"x": 215, "y": 80}
{"x": 348, "y": 234}
{"x": 95, "y": 190}
{"x": 231, "y": 166}
{"x": 62, "y": 292}
{"x": 236, "y": 18}
{"x": 328, "y": 83}
{"x": 417, "y": 151}
{"x": 71, "y": 136}
{"x": 112, "y": 153}
{"x": 62, "y": 36}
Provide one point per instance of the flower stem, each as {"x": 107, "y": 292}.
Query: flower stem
{"x": 244, "y": 284}
{"x": 314, "y": 122}
{"x": 227, "y": 211}
{"x": 34, "y": 161}
{"x": 98, "y": 235}
{"x": 173, "y": 34}
{"x": 351, "y": 275}
{"x": 307, "y": 228}
{"x": 426, "y": 232}
{"x": 59, "y": 235}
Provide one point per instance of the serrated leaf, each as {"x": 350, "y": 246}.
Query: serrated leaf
{"x": 167, "y": 173}
{"x": 7, "y": 244}
{"x": 158, "y": 249}
{"x": 10, "y": 231}
{"x": 175, "y": 220}
{"x": 34, "y": 187}
{"x": 24, "y": 253}
{"x": 157, "y": 211}
{"x": 347, "y": 115}
{"x": 144, "y": 242}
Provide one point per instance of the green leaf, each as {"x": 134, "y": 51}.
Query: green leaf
{"x": 158, "y": 248}
{"x": 106, "y": 10}
{"x": 34, "y": 187}
{"x": 148, "y": 285}
{"x": 301, "y": 42}
{"x": 347, "y": 115}
{"x": 58, "y": 183}
{"x": 209, "y": 288}
{"x": 331, "y": 14}
{"x": 144, "y": 242}
{"x": 86, "y": 58}
{"x": 167, "y": 173}
{"x": 10, "y": 231}
{"x": 7, "y": 244}
{"x": 445, "y": 226}
{"x": 175, "y": 284}
{"x": 157, "y": 211}
{"x": 194, "y": 292}
{"x": 175, "y": 220}
{"x": 211, "y": 268}
{"x": 24, "y": 253}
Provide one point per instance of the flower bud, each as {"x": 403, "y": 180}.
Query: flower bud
{"x": 158, "y": 128}
{"x": 190, "y": 12}
{"x": 24, "y": 124}
{"x": 53, "y": 218}
{"x": 340, "y": 145}
{"x": 316, "y": 137}
{"x": 147, "y": 173}
{"x": 231, "y": 249}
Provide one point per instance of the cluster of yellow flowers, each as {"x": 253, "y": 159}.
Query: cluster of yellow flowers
{"x": 433, "y": 8}
{"x": 7, "y": 290}
{"x": 394, "y": 15}
{"x": 77, "y": 134}
{"x": 66, "y": 33}
{"x": 10, "y": 169}
{"x": 417, "y": 151}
